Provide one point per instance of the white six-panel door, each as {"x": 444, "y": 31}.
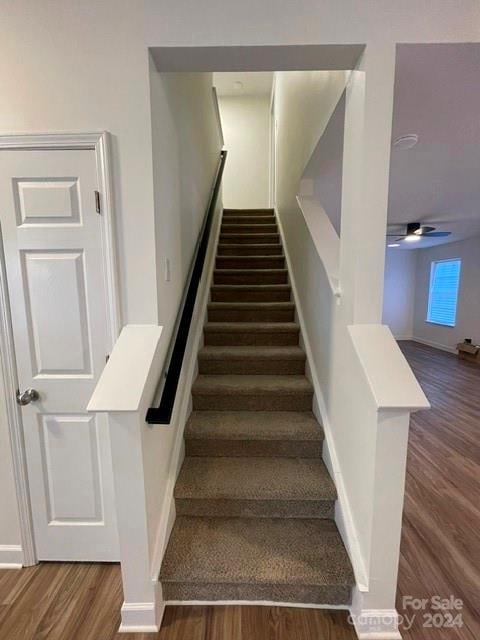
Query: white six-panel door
{"x": 52, "y": 243}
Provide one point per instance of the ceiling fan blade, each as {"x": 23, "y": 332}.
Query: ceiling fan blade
{"x": 437, "y": 234}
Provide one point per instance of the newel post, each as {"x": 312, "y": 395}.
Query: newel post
{"x": 125, "y": 391}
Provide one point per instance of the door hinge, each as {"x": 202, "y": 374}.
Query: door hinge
{"x": 97, "y": 201}
{"x": 107, "y": 357}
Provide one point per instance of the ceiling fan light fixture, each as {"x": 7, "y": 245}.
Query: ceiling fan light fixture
{"x": 403, "y": 143}
{"x": 414, "y": 237}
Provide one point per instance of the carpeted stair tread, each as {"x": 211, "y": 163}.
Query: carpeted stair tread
{"x": 237, "y": 478}
{"x": 256, "y": 551}
{"x": 250, "y": 276}
{"x": 246, "y": 392}
{"x": 252, "y": 327}
{"x": 253, "y": 425}
{"x": 233, "y": 353}
{"x": 252, "y": 229}
{"x": 251, "y": 292}
{"x": 251, "y": 333}
{"x": 251, "y": 219}
{"x": 245, "y": 385}
{"x": 250, "y": 262}
{"x": 259, "y": 360}
{"x": 249, "y": 238}
{"x": 248, "y": 212}
{"x": 258, "y": 272}
{"x": 249, "y": 250}
{"x": 286, "y": 434}
{"x": 251, "y": 311}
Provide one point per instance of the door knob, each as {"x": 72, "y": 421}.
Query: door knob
{"x": 28, "y": 396}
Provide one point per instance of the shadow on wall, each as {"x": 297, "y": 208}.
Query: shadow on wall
{"x": 322, "y": 178}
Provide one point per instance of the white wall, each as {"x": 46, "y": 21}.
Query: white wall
{"x": 323, "y": 173}
{"x": 245, "y": 123}
{"x": 399, "y": 293}
{"x": 223, "y": 23}
{"x": 468, "y": 310}
{"x": 83, "y": 67}
{"x": 186, "y": 151}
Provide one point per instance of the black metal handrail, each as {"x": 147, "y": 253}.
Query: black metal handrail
{"x": 174, "y": 361}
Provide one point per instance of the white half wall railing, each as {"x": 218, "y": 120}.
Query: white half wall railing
{"x": 125, "y": 391}
{"x": 146, "y": 458}
{"x": 364, "y": 394}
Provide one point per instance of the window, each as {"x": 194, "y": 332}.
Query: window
{"x": 443, "y": 294}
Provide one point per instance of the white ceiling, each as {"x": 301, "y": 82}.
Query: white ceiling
{"x": 437, "y": 182}
{"x": 254, "y": 83}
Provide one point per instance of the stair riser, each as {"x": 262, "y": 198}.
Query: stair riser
{"x": 334, "y": 595}
{"x": 249, "y": 262}
{"x": 272, "y": 295}
{"x": 249, "y": 228}
{"x": 251, "y": 367}
{"x": 254, "y": 402}
{"x": 323, "y": 509}
{"x": 232, "y": 219}
{"x": 254, "y": 448}
{"x": 250, "y": 250}
{"x": 247, "y": 213}
{"x": 253, "y": 239}
{"x": 251, "y": 315}
{"x": 224, "y": 339}
{"x": 264, "y": 277}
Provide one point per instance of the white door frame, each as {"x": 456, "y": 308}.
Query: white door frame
{"x": 99, "y": 142}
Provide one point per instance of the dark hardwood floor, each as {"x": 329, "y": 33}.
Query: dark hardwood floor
{"x": 440, "y": 552}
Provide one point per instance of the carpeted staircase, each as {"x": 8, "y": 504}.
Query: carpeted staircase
{"x": 254, "y": 501}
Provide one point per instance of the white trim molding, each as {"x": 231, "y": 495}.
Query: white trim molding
{"x": 375, "y": 624}
{"x": 11, "y": 556}
{"x": 99, "y": 142}
{"x": 14, "y": 418}
{"x": 434, "y": 345}
{"x": 141, "y": 617}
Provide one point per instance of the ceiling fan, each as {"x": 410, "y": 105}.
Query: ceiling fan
{"x": 416, "y": 231}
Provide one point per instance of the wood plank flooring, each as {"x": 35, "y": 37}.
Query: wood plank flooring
{"x": 439, "y": 553}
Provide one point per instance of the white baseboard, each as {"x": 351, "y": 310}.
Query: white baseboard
{"x": 435, "y": 345}
{"x": 403, "y": 338}
{"x": 343, "y": 517}
{"x": 376, "y": 624}
{"x": 256, "y": 603}
{"x": 141, "y": 617}
{"x": 184, "y": 407}
{"x": 11, "y": 556}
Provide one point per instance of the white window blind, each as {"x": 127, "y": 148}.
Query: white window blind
{"x": 443, "y": 293}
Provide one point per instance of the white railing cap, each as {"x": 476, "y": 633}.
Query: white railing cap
{"x": 123, "y": 381}
{"x": 391, "y": 380}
